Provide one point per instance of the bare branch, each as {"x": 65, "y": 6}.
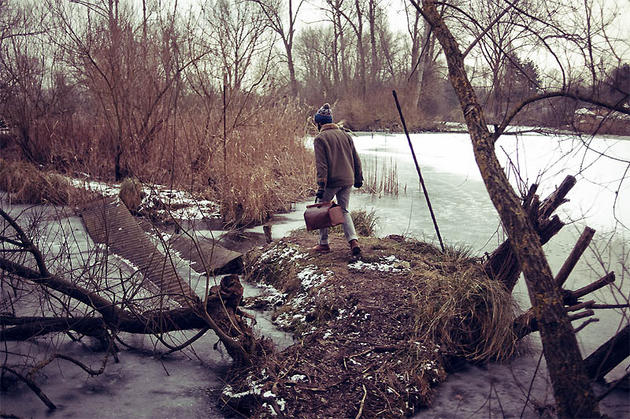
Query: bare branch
{"x": 38, "y": 392}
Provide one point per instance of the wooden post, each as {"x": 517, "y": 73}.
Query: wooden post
{"x": 575, "y": 255}
{"x": 267, "y": 231}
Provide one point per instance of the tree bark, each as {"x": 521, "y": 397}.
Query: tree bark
{"x": 572, "y": 390}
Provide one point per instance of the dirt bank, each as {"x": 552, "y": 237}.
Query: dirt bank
{"x": 374, "y": 335}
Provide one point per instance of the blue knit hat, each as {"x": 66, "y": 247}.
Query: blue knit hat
{"x": 324, "y": 115}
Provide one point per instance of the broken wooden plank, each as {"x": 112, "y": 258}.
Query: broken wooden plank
{"x": 206, "y": 255}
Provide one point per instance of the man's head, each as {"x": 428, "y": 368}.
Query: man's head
{"x": 323, "y": 115}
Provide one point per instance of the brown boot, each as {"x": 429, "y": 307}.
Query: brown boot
{"x": 321, "y": 248}
{"x": 354, "y": 247}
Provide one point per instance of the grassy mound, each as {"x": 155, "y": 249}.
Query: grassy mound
{"x": 26, "y": 184}
{"x": 372, "y": 335}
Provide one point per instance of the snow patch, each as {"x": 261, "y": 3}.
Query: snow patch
{"x": 181, "y": 205}
{"x": 385, "y": 264}
{"x": 309, "y": 277}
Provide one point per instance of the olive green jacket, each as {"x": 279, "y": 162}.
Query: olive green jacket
{"x": 336, "y": 159}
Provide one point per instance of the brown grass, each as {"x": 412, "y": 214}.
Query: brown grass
{"x": 460, "y": 309}
{"x": 26, "y": 184}
{"x": 265, "y": 169}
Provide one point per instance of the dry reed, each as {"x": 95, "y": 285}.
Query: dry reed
{"x": 380, "y": 176}
{"x": 267, "y": 165}
{"x": 26, "y": 184}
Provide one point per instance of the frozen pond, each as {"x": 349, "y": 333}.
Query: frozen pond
{"x": 467, "y": 218}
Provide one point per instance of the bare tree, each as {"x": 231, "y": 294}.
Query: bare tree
{"x": 572, "y": 390}
{"x": 340, "y": 44}
{"x": 357, "y": 26}
{"x": 504, "y": 32}
{"x": 274, "y": 13}
{"x": 23, "y": 70}
{"x": 132, "y": 80}
{"x": 422, "y": 57}
{"x": 318, "y": 63}
{"x": 237, "y": 36}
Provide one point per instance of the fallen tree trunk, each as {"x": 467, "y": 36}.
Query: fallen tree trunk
{"x": 152, "y": 322}
{"x": 609, "y": 355}
{"x": 218, "y": 312}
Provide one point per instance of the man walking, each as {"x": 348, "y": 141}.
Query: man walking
{"x": 338, "y": 168}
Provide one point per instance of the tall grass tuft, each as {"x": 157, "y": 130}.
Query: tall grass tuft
{"x": 364, "y": 222}
{"x": 266, "y": 165}
{"x": 464, "y": 311}
{"x": 26, "y": 184}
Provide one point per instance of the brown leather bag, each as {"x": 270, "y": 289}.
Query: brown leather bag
{"x": 322, "y": 215}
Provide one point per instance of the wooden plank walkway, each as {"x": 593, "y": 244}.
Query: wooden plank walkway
{"x": 111, "y": 223}
{"x": 206, "y": 255}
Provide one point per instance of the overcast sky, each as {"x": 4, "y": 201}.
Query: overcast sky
{"x": 311, "y": 14}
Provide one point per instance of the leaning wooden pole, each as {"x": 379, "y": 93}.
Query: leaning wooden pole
{"x": 415, "y": 160}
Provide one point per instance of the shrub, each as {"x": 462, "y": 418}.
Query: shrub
{"x": 364, "y": 222}
{"x": 268, "y": 167}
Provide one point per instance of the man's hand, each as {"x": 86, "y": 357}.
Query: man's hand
{"x": 358, "y": 184}
{"x": 320, "y": 190}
